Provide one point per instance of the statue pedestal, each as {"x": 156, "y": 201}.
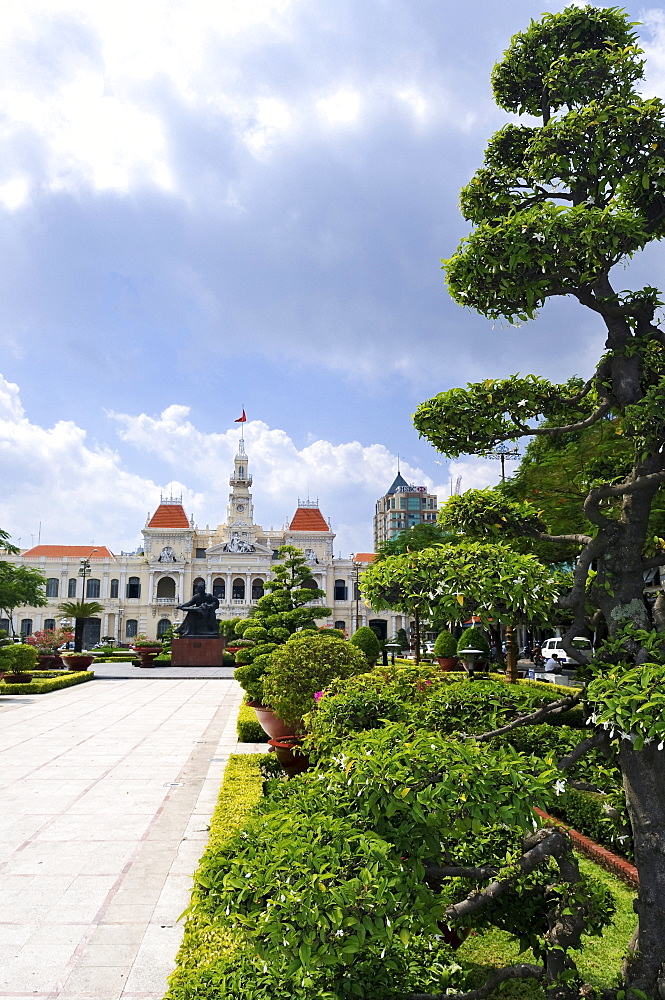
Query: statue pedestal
{"x": 201, "y": 651}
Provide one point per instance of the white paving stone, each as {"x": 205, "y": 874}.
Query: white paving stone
{"x": 106, "y": 794}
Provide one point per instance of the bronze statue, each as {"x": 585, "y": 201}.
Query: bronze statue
{"x": 200, "y": 619}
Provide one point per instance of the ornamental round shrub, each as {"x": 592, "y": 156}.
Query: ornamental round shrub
{"x": 366, "y": 640}
{"x": 473, "y": 638}
{"x": 307, "y": 663}
{"x": 446, "y": 644}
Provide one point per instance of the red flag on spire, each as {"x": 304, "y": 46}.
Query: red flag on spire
{"x": 242, "y": 419}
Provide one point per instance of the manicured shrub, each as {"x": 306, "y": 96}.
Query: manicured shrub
{"x": 248, "y": 729}
{"x": 43, "y": 685}
{"x": 473, "y": 638}
{"x": 18, "y": 658}
{"x": 366, "y": 640}
{"x": 355, "y": 710}
{"x": 586, "y": 813}
{"x": 303, "y": 666}
{"x": 446, "y": 644}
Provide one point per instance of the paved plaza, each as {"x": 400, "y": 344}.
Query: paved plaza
{"x": 106, "y": 793}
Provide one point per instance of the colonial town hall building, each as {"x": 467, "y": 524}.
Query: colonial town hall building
{"x": 140, "y": 591}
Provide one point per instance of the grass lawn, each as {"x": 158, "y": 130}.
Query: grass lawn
{"x": 599, "y": 962}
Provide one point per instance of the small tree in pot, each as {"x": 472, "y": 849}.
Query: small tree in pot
{"x": 445, "y": 650}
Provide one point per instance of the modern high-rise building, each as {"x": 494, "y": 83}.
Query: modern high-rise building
{"x": 402, "y": 506}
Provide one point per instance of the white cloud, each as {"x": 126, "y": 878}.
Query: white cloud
{"x": 85, "y": 493}
{"x": 340, "y": 108}
{"x": 79, "y": 493}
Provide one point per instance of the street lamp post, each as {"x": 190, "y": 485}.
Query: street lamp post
{"x": 83, "y": 572}
{"x": 504, "y": 453}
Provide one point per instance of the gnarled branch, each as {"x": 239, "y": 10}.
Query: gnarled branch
{"x": 522, "y": 971}
{"x": 533, "y": 718}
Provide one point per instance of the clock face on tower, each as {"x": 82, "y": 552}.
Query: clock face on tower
{"x": 240, "y": 508}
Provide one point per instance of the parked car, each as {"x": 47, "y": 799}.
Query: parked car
{"x": 555, "y": 645}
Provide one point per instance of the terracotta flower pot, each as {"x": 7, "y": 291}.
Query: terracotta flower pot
{"x": 45, "y": 661}
{"x": 290, "y": 756}
{"x": 270, "y": 723}
{"x": 77, "y": 662}
{"x": 447, "y": 663}
{"x": 147, "y": 654}
{"x": 17, "y": 678}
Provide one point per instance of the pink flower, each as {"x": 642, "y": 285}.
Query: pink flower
{"x": 318, "y": 695}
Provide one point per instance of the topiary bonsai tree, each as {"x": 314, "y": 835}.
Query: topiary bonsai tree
{"x": 19, "y": 658}
{"x": 301, "y": 667}
{"x": 473, "y": 638}
{"x": 445, "y": 646}
{"x": 280, "y": 613}
{"x": 365, "y": 638}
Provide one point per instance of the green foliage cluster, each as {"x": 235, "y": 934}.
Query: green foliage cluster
{"x": 445, "y": 644}
{"x": 366, "y": 640}
{"x": 20, "y": 585}
{"x": 301, "y": 667}
{"x": 43, "y": 685}
{"x": 278, "y": 614}
{"x": 18, "y": 658}
{"x": 248, "y": 729}
{"x": 473, "y": 638}
{"x": 452, "y": 582}
{"x": 586, "y": 812}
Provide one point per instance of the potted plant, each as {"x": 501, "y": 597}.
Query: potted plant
{"x": 147, "y": 649}
{"x": 77, "y": 661}
{"x": 473, "y": 638}
{"x": 17, "y": 662}
{"x": 47, "y": 642}
{"x": 445, "y": 650}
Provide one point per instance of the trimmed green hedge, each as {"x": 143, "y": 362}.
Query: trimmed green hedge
{"x": 43, "y": 685}
{"x": 207, "y": 951}
{"x": 249, "y": 730}
{"x": 585, "y": 812}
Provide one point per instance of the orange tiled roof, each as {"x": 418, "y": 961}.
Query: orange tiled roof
{"x": 72, "y": 551}
{"x": 169, "y": 515}
{"x": 308, "y": 519}
{"x": 364, "y": 557}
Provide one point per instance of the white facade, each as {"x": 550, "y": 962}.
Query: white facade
{"x": 140, "y": 591}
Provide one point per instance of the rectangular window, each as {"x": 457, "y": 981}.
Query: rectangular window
{"x": 414, "y": 503}
{"x": 402, "y": 503}
{"x": 71, "y": 588}
{"x": 114, "y": 588}
{"x": 92, "y": 588}
{"x": 200, "y": 554}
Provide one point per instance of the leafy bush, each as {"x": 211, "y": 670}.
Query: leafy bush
{"x": 586, "y": 813}
{"x": 42, "y": 685}
{"x": 18, "y": 658}
{"x": 355, "y": 710}
{"x": 473, "y": 638}
{"x": 228, "y": 660}
{"x": 446, "y": 644}
{"x": 248, "y": 729}
{"x": 303, "y": 666}
{"x": 367, "y": 642}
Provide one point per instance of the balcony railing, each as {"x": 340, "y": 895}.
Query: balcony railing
{"x": 166, "y": 600}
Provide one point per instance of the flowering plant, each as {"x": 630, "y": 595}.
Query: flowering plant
{"x": 143, "y": 640}
{"x": 49, "y": 640}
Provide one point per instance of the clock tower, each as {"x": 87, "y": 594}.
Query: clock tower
{"x": 240, "y": 511}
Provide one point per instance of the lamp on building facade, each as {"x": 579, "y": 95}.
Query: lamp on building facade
{"x": 84, "y": 571}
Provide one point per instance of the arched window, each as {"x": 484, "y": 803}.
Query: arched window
{"x": 199, "y": 582}
{"x": 5, "y": 625}
{"x": 166, "y": 587}
{"x": 133, "y": 588}
{"x": 92, "y": 588}
{"x": 115, "y": 586}
{"x": 51, "y": 587}
{"x": 49, "y": 623}
{"x": 162, "y": 626}
{"x": 310, "y": 584}
{"x": 26, "y": 626}
{"x": 238, "y": 589}
{"x": 257, "y": 589}
{"x": 341, "y": 593}
{"x": 131, "y": 628}
{"x": 71, "y": 588}
{"x": 219, "y": 588}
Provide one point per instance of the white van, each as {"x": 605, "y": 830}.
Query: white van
{"x": 556, "y": 646}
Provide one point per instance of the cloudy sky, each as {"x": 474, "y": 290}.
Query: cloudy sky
{"x": 206, "y": 206}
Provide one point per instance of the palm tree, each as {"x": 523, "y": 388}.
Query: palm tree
{"x": 79, "y": 611}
